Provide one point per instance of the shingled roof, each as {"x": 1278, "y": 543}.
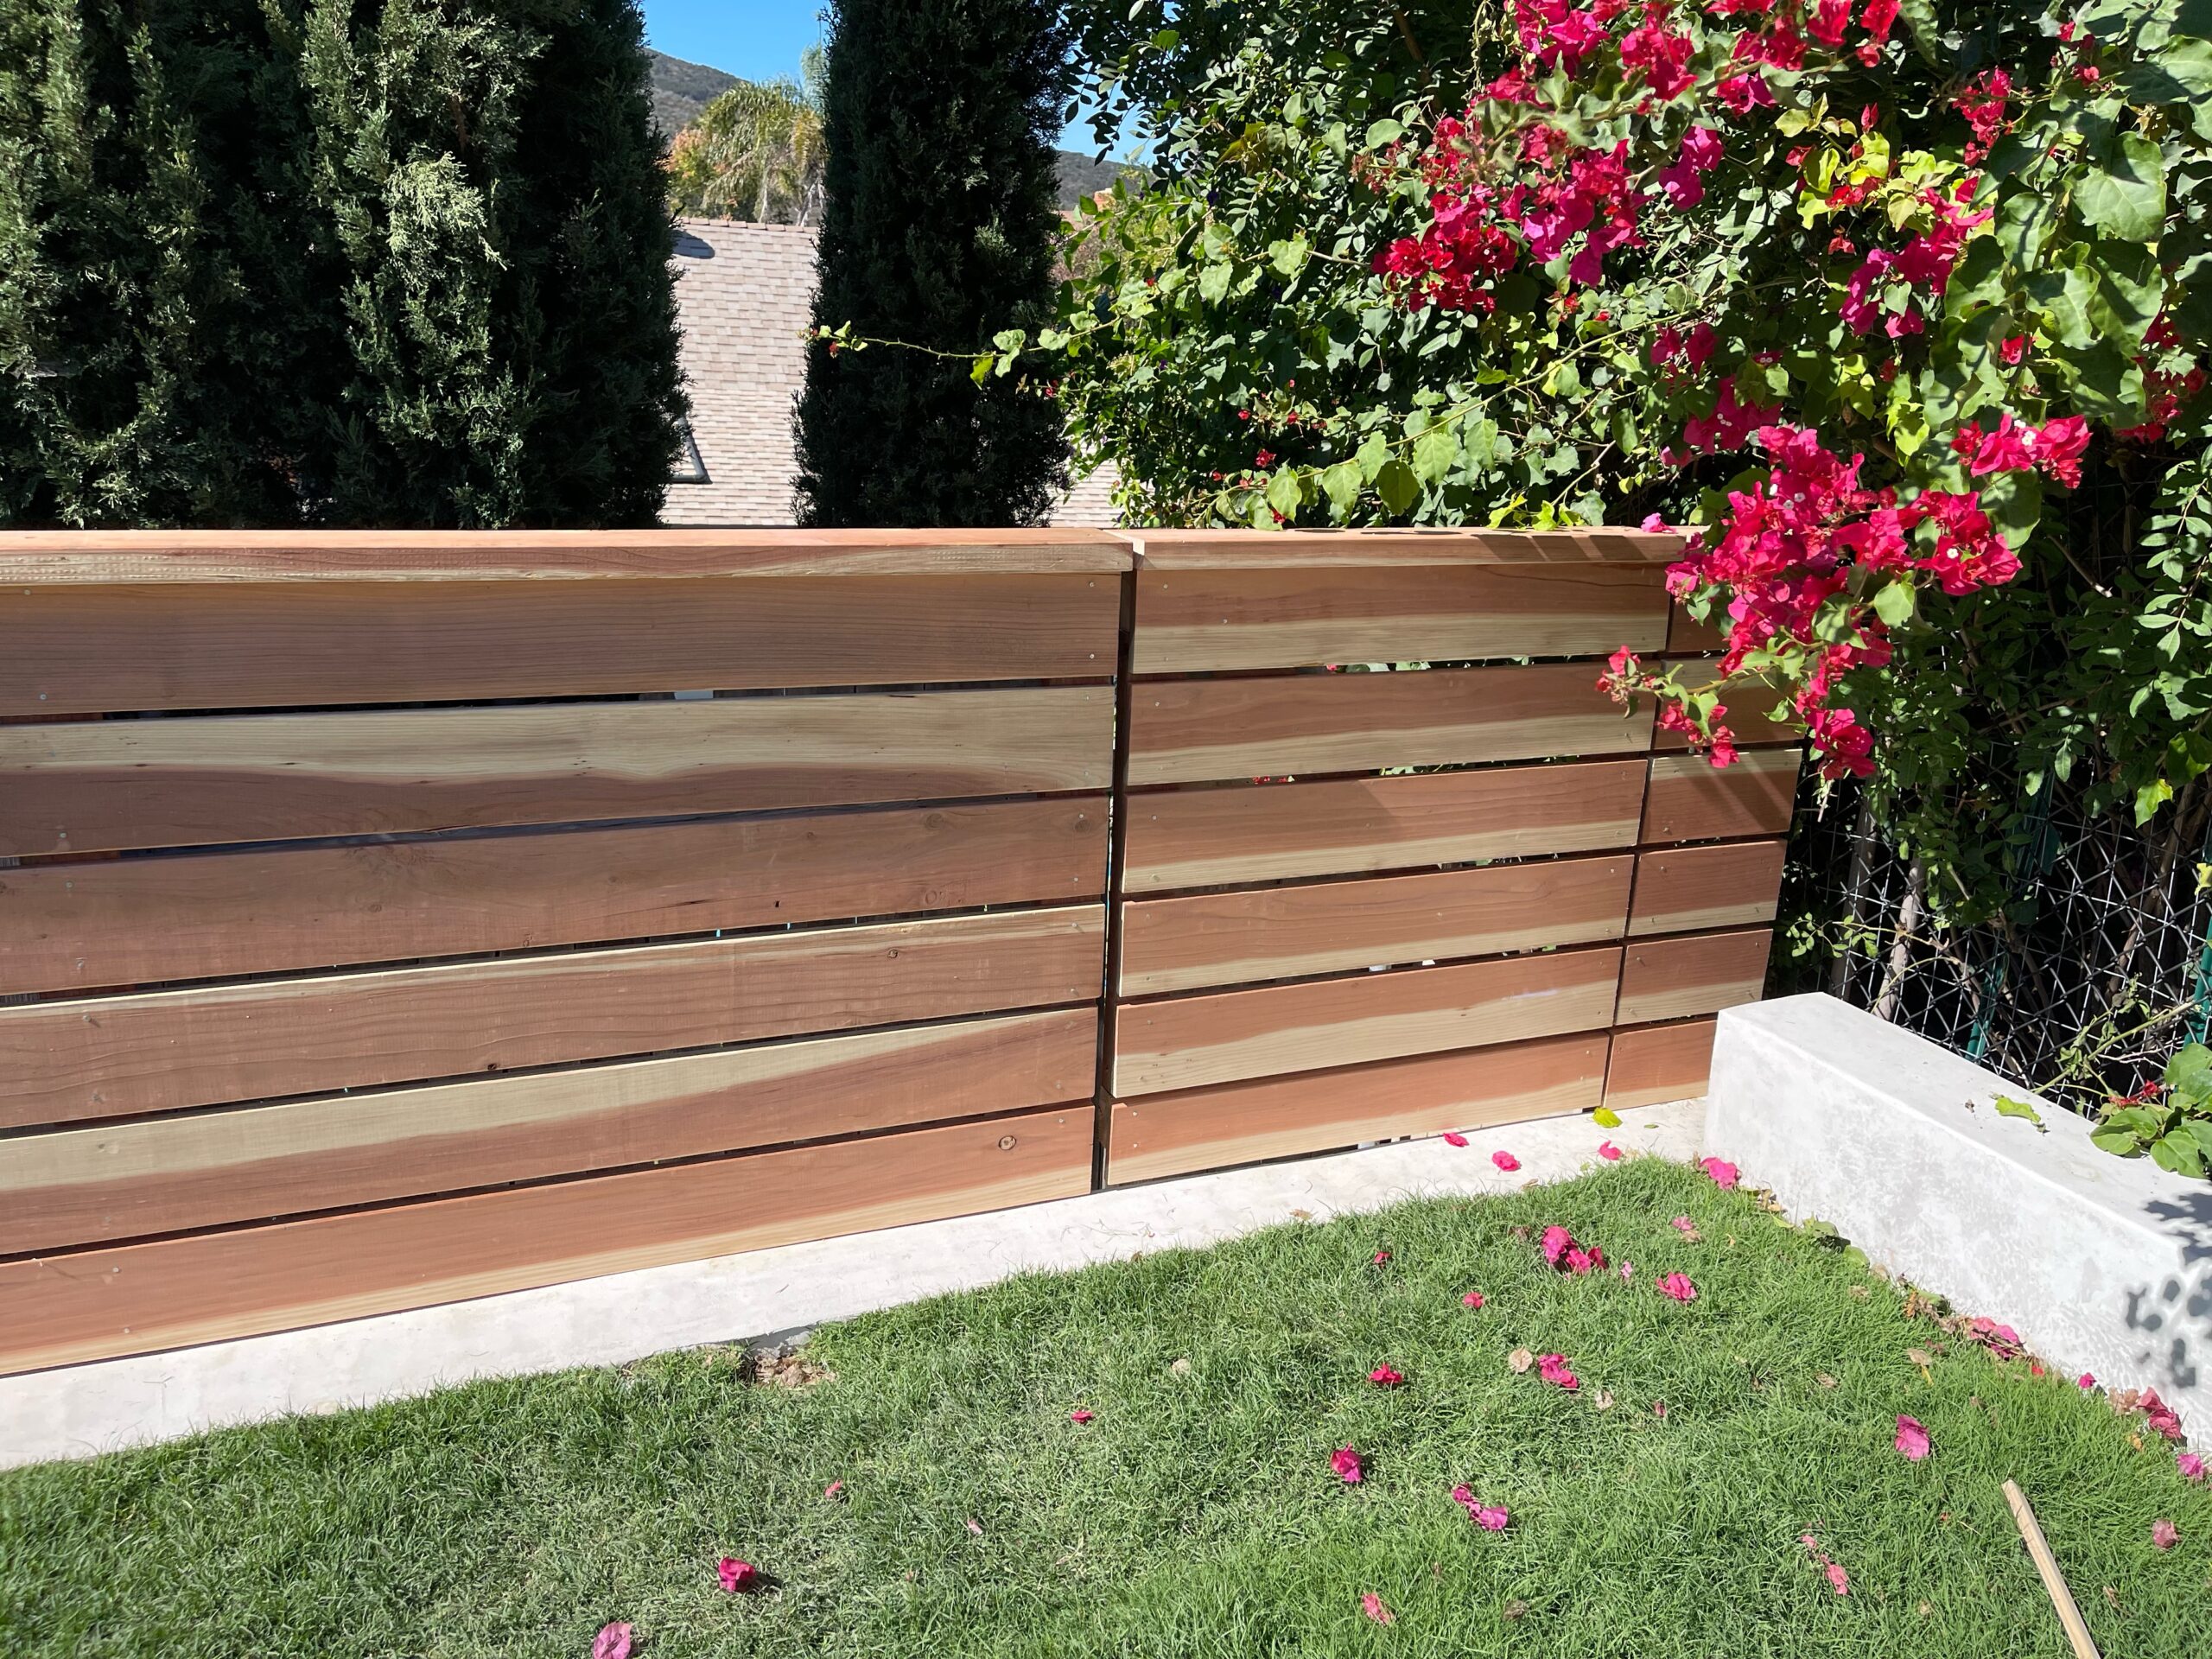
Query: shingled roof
{"x": 744, "y": 295}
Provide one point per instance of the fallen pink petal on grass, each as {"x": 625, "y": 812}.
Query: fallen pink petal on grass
{"x": 2164, "y": 1534}
{"x": 2191, "y": 1465}
{"x": 612, "y": 1642}
{"x": 1381, "y": 1257}
{"x": 1080, "y": 1415}
{"x": 1452, "y": 1138}
{"x": 1473, "y": 1299}
{"x": 1687, "y": 1229}
{"x": 1609, "y": 1152}
{"x": 2086, "y": 1379}
{"x": 1385, "y": 1376}
{"x": 833, "y": 1489}
{"x": 737, "y": 1575}
{"x": 1557, "y": 1242}
{"x": 1912, "y": 1439}
{"x": 1553, "y": 1368}
{"x": 1678, "y": 1285}
{"x": 1838, "y": 1579}
{"x": 1723, "y": 1173}
{"x": 1628, "y": 1271}
{"x": 1371, "y": 1605}
{"x": 1490, "y": 1517}
{"x": 1505, "y": 1160}
{"x": 1347, "y": 1467}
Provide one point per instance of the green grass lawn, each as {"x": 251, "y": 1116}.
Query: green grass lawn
{"x": 1196, "y": 1513}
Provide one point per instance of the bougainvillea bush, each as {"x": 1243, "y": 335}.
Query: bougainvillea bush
{"x": 1872, "y": 297}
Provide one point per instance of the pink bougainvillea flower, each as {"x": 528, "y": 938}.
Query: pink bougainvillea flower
{"x": 1912, "y": 1439}
{"x": 1347, "y": 1467}
{"x": 1723, "y": 1172}
{"x": 2086, "y": 1379}
{"x": 1553, "y": 1368}
{"x": 833, "y": 1489}
{"x": 1080, "y": 1414}
{"x": 1453, "y": 1138}
{"x": 1472, "y": 1299}
{"x": 2164, "y": 1534}
{"x": 1684, "y": 1225}
{"x": 2191, "y": 1465}
{"x": 1505, "y": 1160}
{"x": 1678, "y": 1285}
{"x": 1839, "y": 1580}
{"x": 737, "y": 1575}
{"x": 1609, "y": 1152}
{"x": 1371, "y": 1605}
{"x": 612, "y": 1641}
{"x": 1557, "y": 1242}
{"x": 2158, "y": 1414}
{"x": 1386, "y": 1376}
{"x": 1580, "y": 1262}
{"x": 1628, "y": 1271}
{"x": 1381, "y": 1257}
{"x": 1490, "y": 1517}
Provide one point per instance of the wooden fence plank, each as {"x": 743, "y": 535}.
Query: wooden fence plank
{"x": 1247, "y": 549}
{"x": 92, "y": 785}
{"x": 205, "y": 1169}
{"x": 1215, "y": 619}
{"x": 191, "y": 916}
{"x": 134, "y": 1299}
{"x": 1681, "y": 888}
{"x": 62, "y": 1062}
{"x": 1190, "y": 838}
{"x": 1189, "y": 731}
{"x": 1226, "y": 938}
{"x": 1186, "y": 1042}
{"x": 1671, "y": 979}
{"x": 1281, "y": 1117}
{"x": 1652, "y": 1064}
{"x": 1748, "y": 707}
{"x": 1692, "y": 799}
{"x": 69, "y": 649}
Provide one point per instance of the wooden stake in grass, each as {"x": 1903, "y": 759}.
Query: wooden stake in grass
{"x": 2061, "y": 1598}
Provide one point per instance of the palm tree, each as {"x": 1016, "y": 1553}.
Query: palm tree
{"x": 755, "y": 152}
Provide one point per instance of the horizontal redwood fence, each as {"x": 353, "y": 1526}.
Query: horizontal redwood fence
{"x": 399, "y": 918}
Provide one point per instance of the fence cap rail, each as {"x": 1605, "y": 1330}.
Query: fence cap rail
{"x": 52, "y": 557}
{"x": 1267, "y": 549}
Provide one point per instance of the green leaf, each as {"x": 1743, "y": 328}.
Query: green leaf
{"x": 2129, "y": 292}
{"x": 2126, "y": 196}
{"x": 1288, "y": 258}
{"x": 2064, "y": 296}
{"x": 1010, "y": 340}
{"x": 1893, "y": 602}
{"x": 2149, "y": 797}
{"x": 1606, "y": 1118}
{"x": 1398, "y": 487}
{"x": 1213, "y": 281}
{"x": 2121, "y": 1143}
{"x": 1434, "y": 453}
{"x": 1284, "y": 494}
{"x": 2014, "y": 503}
{"x": 1383, "y": 132}
{"x": 1373, "y": 455}
{"x": 2189, "y": 1074}
{"x": 1165, "y": 41}
{"x": 1341, "y": 484}
{"x": 2007, "y": 1106}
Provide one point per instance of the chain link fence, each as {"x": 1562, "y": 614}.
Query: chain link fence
{"x": 2102, "y": 968}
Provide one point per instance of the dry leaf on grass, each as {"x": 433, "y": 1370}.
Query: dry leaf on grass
{"x": 1520, "y": 1360}
{"x": 789, "y": 1369}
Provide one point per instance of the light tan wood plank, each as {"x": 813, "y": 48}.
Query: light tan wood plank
{"x": 1234, "y": 550}
{"x": 1654, "y": 1063}
{"x": 47, "y": 556}
{"x": 1187, "y": 1042}
{"x": 1684, "y": 888}
{"x": 72, "y": 648}
{"x": 161, "y": 1175}
{"x": 1227, "y": 938}
{"x": 1282, "y": 1117}
{"x": 1687, "y": 636}
{"x": 132, "y": 1299}
{"x": 193, "y": 916}
{"x": 1191, "y": 838}
{"x": 1215, "y": 619}
{"x": 1692, "y": 799}
{"x": 114, "y": 1057}
{"x": 1189, "y": 731}
{"x": 1672, "y": 979}
{"x": 92, "y": 785}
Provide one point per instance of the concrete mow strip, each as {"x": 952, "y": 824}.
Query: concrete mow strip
{"x": 2102, "y": 1264}
{"x": 82, "y": 1410}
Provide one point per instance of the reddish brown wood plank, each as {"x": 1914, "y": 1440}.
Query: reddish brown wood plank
{"x": 1692, "y": 799}
{"x": 1749, "y": 709}
{"x": 1280, "y": 1117}
{"x": 136, "y": 1299}
{"x": 47, "y": 556}
{"x": 1687, "y": 636}
{"x": 1188, "y": 731}
{"x": 1225, "y": 938}
{"x": 1244, "y": 550}
{"x": 114, "y": 1057}
{"x": 1188, "y": 1042}
{"x": 205, "y": 1169}
{"x": 1190, "y": 838}
{"x": 1683, "y": 889}
{"x": 1236, "y": 619}
{"x": 1652, "y": 1064}
{"x": 1671, "y": 979}
{"x": 70, "y": 648}
{"x": 92, "y": 785}
{"x": 193, "y": 916}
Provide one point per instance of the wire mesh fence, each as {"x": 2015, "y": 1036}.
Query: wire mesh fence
{"x": 2100, "y": 968}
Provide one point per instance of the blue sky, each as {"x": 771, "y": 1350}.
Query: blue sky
{"x": 755, "y": 40}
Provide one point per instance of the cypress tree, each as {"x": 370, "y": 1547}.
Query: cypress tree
{"x": 937, "y": 229}
{"x": 336, "y": 262}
